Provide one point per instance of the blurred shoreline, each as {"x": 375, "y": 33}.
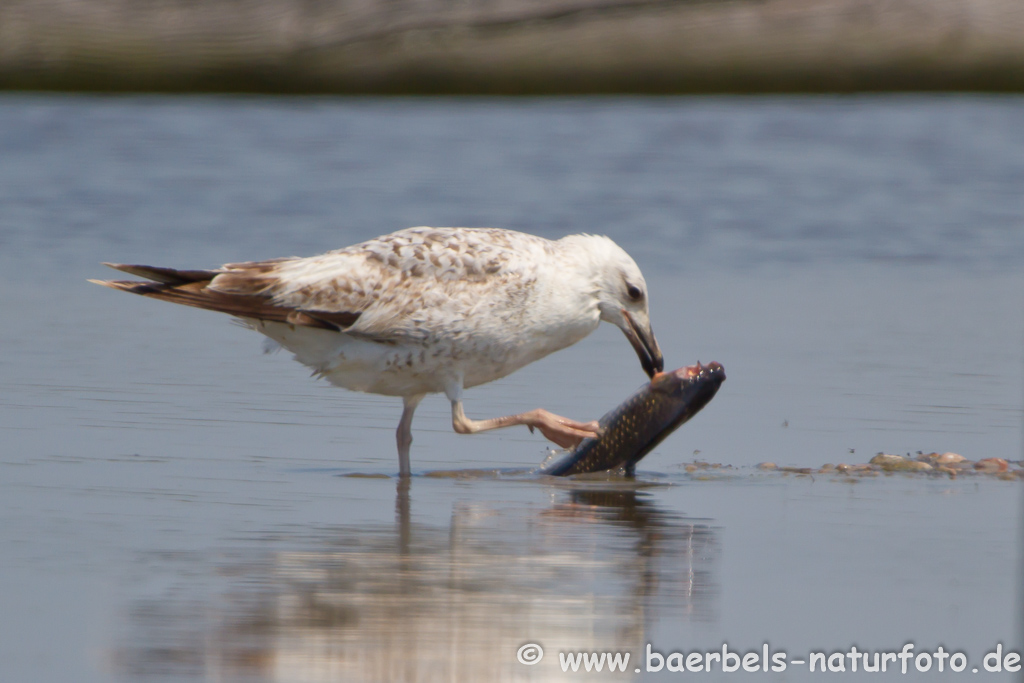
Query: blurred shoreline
{"x": 511, "y": 47}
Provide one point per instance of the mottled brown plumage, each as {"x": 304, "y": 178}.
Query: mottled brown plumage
{"x": 248, "y": 300}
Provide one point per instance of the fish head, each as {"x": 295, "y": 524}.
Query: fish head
{"x": 687, "y": 379}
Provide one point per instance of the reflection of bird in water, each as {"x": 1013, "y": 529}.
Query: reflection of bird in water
{"x": 429, "y": 310}
{"x": 417, "y": 602}
{"x": 655, "y": 535}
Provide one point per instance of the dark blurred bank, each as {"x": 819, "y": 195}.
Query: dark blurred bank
{"x": 512, "y": 46}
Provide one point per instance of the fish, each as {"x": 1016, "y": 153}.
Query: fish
{"x": 628, "y": 432}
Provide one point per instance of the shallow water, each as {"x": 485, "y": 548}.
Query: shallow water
{"x": 174, "y": 505}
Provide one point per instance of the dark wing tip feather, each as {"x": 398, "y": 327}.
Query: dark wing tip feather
{"x": 258, "y": 306}
{"x": 167, "y": 276}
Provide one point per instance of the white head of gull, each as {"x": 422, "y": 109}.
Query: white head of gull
{"x": 429, "y": 310}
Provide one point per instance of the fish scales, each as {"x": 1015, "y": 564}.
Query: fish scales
{"x": 632, "y": 429}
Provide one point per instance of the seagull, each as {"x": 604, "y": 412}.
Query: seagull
{"x": 428, "y": 310}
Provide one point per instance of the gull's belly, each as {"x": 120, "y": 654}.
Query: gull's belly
{"x": 395, "y": 369}
{"x": 425, "y": 366}
{"x": 407, "y": 369}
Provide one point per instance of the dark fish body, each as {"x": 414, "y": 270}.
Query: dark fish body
{"x": 642, "y": 421}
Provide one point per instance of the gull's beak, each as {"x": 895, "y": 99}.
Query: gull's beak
{"x": 646, "y": 346}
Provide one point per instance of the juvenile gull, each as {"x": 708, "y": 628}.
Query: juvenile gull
{"x": 428, "y": 310}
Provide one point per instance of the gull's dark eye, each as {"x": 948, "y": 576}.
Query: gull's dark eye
{"x": 634, "y": 292}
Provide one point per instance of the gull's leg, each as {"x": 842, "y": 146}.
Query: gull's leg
{"x": 562, "y": 431}
{"x": 404, "y": 433}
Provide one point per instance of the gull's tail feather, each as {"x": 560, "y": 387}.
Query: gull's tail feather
{"x": 192, "y": 288}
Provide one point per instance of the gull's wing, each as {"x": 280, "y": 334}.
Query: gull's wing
{"x": 248, "y": 293}
{"x": 377, "y": 289}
